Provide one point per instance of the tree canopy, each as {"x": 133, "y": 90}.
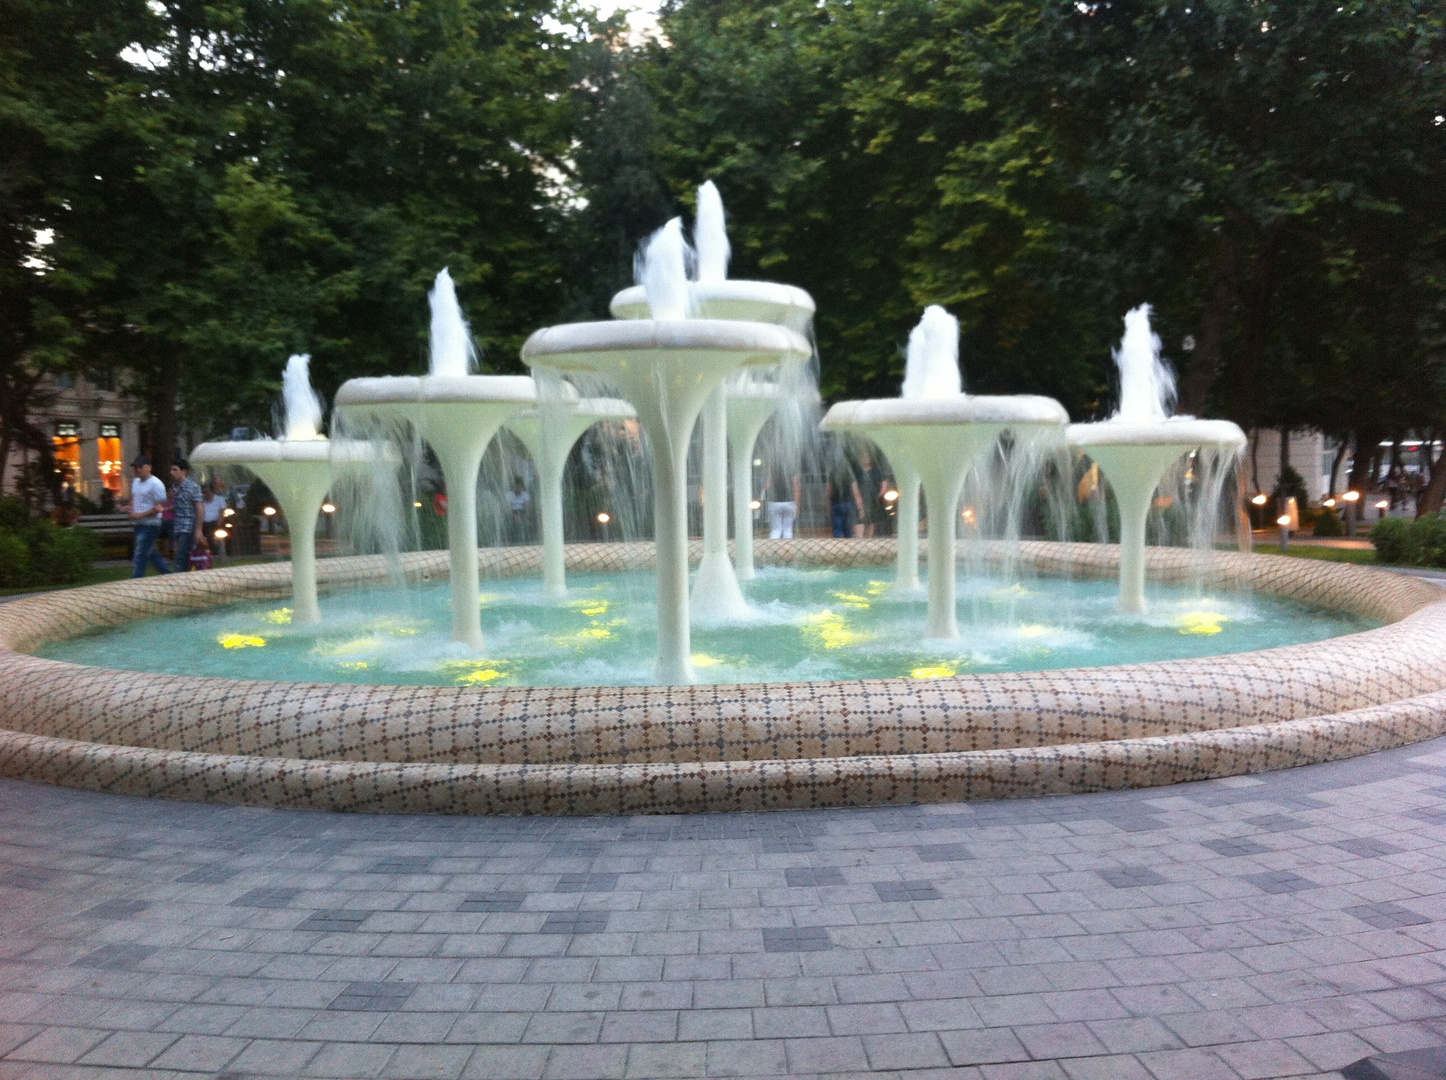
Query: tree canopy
{"x": 191, "y": 189}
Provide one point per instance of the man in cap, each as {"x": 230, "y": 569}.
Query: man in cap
{"x": 148, "y": 499}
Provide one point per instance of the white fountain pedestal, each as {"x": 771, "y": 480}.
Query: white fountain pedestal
{"x": 939, "y": 439}
{"x": 749, "y": 407}
{"x": 716, "y": 593}
{"x": 666, "y": 369}
{"x": 906, "y": 520}
{"x": 1134, "y": 456}
{"x": 457, "y": 416}
{"x": 549, "y": 432}
{"x": 299, "y": 474}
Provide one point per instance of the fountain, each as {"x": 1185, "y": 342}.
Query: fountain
{"x": 456, "y": 413}
{"x": 735, "y": 412}
{"x": 931, "y": 370}
{"x": 297, "y": 468}
{"x": 1141, "y": 441}
{"x": 666, "y": 366}
{"x": 931, "y": 439}
{"x": 194, "y": 686}
{"x": 549, "y": 432}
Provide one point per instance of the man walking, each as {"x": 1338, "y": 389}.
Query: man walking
{"x": 186, "y": 499}
{"x": 148, "y": 498}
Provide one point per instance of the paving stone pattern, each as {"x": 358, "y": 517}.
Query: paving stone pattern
{"x": 1271, "y": 926}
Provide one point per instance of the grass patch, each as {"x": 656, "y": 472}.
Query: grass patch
{"x": 96, "y": 575}
{"x": 99, "y": 575}
{"x": 1360, "y": 556}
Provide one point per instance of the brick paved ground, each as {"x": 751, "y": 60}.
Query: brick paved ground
{"x": 1272, "y": 926}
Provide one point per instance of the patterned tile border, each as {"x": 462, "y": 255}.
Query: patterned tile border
{"x": 583, "y": 750}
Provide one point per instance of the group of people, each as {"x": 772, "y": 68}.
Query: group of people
{"x": 856, "y": 494}
{"x": 184, "y": 516}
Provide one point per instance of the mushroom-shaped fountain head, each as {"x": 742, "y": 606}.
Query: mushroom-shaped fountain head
{"x": 941, "y": 438}
{"x": 1136, "y": 446}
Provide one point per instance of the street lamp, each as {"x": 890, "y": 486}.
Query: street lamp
{"x": 1351, "y": 498}
{"x": 1284, "y": 522}
{"x": 1382, "y": 506}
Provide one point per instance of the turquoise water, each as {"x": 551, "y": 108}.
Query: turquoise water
{"x": 808, "y": 624}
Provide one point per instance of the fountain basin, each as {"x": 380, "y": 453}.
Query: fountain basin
{"x": 670, "y": 749}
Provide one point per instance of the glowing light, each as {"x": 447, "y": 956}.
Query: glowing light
{"x": 828, "y": 628}
{"x": 417, "y": 505}
{"x": 480, "y": 676}
{"x": 938, "y": 671}
{"x": 1329, "y": 504}
{"x": 328, "y": 508}
{"x": 279, "y": 617}
{"x": 890, "y": 496}
{"x": 1351, "y": 496}
{"x": 1283, "y": 521}
{"x": 1383, "y": 505}
{"x": 228, "y": 512}
{"x": 1035, "y": 630}
{"x": 1201, "y": 622}
{"x": 269, "y": 511}
{"x": 221, "y": 534}
{"x": 1261, "y": 499}
{"x": 704, "y": 660}
{"x": 967, "y": 513}
{"x": 240, "y": 641}
{"x": 754, "y": 505}
{"x": 603, "y": 517}
{"x": 474, "y": 672}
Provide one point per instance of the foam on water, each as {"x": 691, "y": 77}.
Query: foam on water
{"x": 811, "y": 624}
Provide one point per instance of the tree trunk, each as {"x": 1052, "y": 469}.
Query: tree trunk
{"x": 1336, "y": 464}
{"x": 163, "y": 414}
{"x": 1205, "y": 363}
{"x": 1435, "y": 493}
{"x": 1243, "y": 398}
{"x": 1361, "y": 465}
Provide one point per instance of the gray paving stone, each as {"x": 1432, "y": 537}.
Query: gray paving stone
{"x": 1132, "y": 935}
{"x": 796, "y": 939}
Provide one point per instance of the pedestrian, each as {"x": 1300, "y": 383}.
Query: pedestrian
{"x": 781, "y": 503}
{"x": 213, "y": 511}
{"x": 148, "y": 496}
{"x": 844, "y": 500}
{"x": 870, "y": 492}
{"x": 519, "y": 500}
{"x": 186, "y": 501}
{"x": 65, "y": 514}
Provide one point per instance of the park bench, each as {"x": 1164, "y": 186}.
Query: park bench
{"x": 114, "y": 528}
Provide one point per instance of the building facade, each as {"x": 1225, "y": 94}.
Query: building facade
{"x": 95, "y": 431}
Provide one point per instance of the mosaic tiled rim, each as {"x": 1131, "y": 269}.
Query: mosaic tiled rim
{"x": 683, "y": 749}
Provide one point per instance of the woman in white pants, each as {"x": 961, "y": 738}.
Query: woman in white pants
{"x": 782, "y": 505}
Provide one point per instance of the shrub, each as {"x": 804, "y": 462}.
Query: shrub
{"x": 14, "y": 515}
{"x": 61, "y": 556}
{"x": 40, "y": 552}
{"x": 1390, "y": 535}
{"x": 14, "y": 561}
{"x": 1402, "y": 542}
{"x": 1327, "y": 523}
